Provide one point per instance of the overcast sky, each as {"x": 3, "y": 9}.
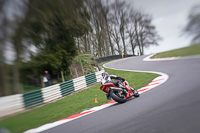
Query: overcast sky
{"x": 169, "y": 17}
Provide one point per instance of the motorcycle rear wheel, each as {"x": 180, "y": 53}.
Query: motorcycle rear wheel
{"x": 117, "y": 98}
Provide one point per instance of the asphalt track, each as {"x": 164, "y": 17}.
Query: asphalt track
{"x": 173, "y": 107}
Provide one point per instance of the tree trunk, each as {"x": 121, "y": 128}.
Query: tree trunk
{"x": 85, "y": 44}
{"x": 78, "y": 45}
{"x": 109, "y": 38}
{"x": 42, "y": 83}
{"x": 99, "y": 46}
{"x": 123, "y": 41}
{"x": 133, "y": 47}
{"x": 142, "y": 44}
{"x": 137, "y": 38}
{"x": 16, "y": 80}
{"x": 111, "y": 46}
{"x": 119, "y": 50}
{"x": 116, "y": 39}
{"x": 3, "y": 86}
{"x": 62, "y": 75}
{"x": 88, "y": 44}
{"x": 140, "y": 50}
{"x": 107, "y": 49}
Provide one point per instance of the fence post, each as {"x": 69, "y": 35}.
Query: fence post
{"x": 63, "y": 80}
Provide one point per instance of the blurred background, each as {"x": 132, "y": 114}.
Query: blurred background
{"x": 64, "y": 37}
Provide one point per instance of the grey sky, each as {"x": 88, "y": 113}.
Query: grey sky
{"x": 169, "y": 17}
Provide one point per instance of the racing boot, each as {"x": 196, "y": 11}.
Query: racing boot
{"x": 108, "y": 96}
{"x": 135, "y": 93}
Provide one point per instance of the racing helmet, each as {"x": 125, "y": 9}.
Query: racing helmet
{"x": 104, "y": 74}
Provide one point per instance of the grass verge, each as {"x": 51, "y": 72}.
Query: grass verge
{"x": 186, "y": 51}
{"x": 70, "y": 105}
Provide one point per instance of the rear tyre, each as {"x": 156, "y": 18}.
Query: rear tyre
{"x": 115, "y": 97}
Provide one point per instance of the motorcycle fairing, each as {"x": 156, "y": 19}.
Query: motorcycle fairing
{"x": 105, "y": 87}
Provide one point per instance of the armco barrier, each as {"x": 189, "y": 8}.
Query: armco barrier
{"x": 79, "y": 83}
{"x": 112, "y": 57}
{"x": 33, "y": 98}
{"x": 67, "y": 87}
{"x": 51, "y": 93}
{"x": 19, "y": 102}
{"x": 98, "y": 75}
{"x": 11, "y": 104}
{"x": 90, "y": 79}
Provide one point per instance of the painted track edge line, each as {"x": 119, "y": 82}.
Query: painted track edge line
{"x": 148, "y": 58}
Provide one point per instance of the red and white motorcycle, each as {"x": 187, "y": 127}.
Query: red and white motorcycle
{"x": 119, "y": 92}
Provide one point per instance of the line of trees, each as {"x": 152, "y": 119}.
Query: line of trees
{"x": 117, "y": 28}
{"x": 61, "y": 29}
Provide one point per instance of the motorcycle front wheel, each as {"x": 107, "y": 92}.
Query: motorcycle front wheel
{"x": 114, "y": 95}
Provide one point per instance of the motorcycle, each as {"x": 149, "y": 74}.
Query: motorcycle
{"x": 119, "y": 91}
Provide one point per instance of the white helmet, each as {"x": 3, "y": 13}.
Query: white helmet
{"x": 104, "y": 74}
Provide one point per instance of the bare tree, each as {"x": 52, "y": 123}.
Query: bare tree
{"x": 94, "y": 16}
{"x": 116, "y": 38}
{"x": 193, "y": 26}
{"x": 120, "y": 19}
{"x": 100, "y": 23}
{"x": 106, "y": 16}
{"x": 144, "y": 33}
{"x": 130, "y": 28}
{"x": 114, "y": 24}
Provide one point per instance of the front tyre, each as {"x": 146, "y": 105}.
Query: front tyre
{"x": 114, "y": 96}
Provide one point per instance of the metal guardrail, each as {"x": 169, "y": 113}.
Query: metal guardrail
{"x": 79, "y": 83}
{"x": 67, "y": 87}
{"x": 51, "y": 93}
{"x": 33, "y": 98}
{"x": 111, "y": 57}
{"x": 11, "y": 104}
{"x": 19, "y": 102}
{"x": 90, "y": 79}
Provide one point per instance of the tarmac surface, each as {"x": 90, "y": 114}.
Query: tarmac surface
{"x": 173, "y": 107}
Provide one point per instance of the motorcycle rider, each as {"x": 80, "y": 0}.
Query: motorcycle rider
{"x": 106, "y": 78}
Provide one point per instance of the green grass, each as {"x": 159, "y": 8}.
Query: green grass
{"x": 135, "y": 79}
{"x": 186, "y": 51}
{"x": 70, "y": 105}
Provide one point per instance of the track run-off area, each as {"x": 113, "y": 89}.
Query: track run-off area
{"x": 172, "y": 106}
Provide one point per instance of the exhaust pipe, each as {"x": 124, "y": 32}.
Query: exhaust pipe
{"x": 116, "y": 88}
